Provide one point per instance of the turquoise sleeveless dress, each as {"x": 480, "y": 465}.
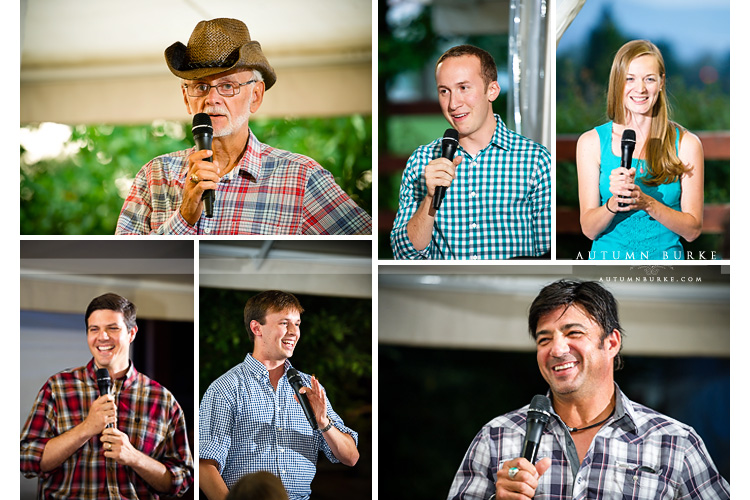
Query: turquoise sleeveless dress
{"x": 635, "y": 235}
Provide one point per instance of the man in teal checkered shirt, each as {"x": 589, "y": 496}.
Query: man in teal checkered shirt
{"x": 497, "y": 205}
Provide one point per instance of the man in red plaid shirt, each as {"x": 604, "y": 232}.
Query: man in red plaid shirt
{"x": 130, "y": 443}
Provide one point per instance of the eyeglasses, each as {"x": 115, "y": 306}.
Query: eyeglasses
{"x": 226, "y": 89}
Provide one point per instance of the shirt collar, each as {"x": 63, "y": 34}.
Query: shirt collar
{"x": 126, "y": 380}
{"x": 624, "y": 412}
{"x": 502, "y": 136}
{"x": 624, "y": 416}
{"x": 251, "y": 161}
{"x": 258, "y": 369}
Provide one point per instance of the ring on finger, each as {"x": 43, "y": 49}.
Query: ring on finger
{"x": 109, "y": 446}
{"x": 512, "y": 472}
{"x": 195, "y": 179}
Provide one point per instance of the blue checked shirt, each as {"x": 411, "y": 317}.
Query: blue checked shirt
{"x": 638, "y": 454}
{"x": 497, "y": 207}
{"x": 270, "y": 191}
{"x": 246, "y": 426}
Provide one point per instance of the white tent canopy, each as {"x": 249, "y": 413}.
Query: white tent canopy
{"x": 85, "y": 61}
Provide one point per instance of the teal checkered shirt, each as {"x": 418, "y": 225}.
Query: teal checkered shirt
{"x": 498, "y": 206}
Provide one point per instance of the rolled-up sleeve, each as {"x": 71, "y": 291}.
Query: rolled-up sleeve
{"x": 214, "y": 428}
{"x": 39, "y": 429}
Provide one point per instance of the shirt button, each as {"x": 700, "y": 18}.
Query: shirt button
{"x": 474, "y": 257}
{"x": 207, "y": 231}
{"x": 473, "y": 225}
{"x": 472, "y": 194}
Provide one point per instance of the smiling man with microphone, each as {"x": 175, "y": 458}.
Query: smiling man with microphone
{"x": 265, "y": 415}
{"x": 591, "y": 441}
{"x": 489, "y": 201}
{"x": 257, "y": 189}
{"x": 105, "y": 430}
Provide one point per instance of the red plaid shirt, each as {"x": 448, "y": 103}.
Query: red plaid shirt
{"x": 270, "y": 191}
{"x": 146, "y": 412}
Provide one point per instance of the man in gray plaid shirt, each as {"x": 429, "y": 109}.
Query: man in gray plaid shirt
{"x": 598, "y": 444}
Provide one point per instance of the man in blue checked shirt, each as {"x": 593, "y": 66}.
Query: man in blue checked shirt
{"x": 597, "y": 444}
{"x": 497, "y": 204}
{"x": 250, "y": 419}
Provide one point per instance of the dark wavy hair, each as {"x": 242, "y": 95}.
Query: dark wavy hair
{"x": 596, "y": 300}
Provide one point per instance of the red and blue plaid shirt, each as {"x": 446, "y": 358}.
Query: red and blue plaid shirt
{"x": 146, "y": 412}
{"x": 270, "y": 191}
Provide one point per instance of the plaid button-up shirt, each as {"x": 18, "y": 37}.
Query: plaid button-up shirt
{"x": 146, "y": 412}
{"x": 270, "y": 191}
{"x": 247, "y": 426}
{"x": 638, "y": 454}
{"x": 497, "y": 207}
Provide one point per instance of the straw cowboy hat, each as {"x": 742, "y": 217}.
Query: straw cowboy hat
{"x": 217, "y": 46}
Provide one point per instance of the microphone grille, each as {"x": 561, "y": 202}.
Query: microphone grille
{"x": 102, "y": 374}
{"x": 202, "y": 120}
{"x": 540, "y": 404}
{"x": 451, "y": 134}
{"x": 628, "y": 135}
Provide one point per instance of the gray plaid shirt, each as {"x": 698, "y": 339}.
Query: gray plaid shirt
{"x": 638, "y": 454}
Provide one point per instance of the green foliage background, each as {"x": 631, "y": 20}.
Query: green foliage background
{"x": 83, "y": 193}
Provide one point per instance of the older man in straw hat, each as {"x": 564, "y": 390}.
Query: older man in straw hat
{"x": 258, "y": 189}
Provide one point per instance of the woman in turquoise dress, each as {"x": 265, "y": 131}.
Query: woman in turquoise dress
{"x": 640, "y": 212}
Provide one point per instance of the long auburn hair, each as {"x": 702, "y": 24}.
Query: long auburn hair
{"x": 664, "y": 166}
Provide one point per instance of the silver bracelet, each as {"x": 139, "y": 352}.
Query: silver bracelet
{"x": 327, "y": 427}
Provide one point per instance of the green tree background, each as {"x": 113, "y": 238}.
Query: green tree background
{"x": 83, "y": 192}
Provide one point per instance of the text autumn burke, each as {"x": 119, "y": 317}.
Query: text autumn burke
{"x": 620, "y": 255}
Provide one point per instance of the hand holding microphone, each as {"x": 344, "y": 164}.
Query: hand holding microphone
{"x": 295, "y": 380}
{"x": 627, "y": 146}
{"x": 522, "y": 475}
{"x": 440, "y": 172}
{"x": 103, "y": 413}
{"x": 448, "y": 148}
{"x": 202, "y": 175}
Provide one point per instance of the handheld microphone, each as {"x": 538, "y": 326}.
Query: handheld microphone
{"x": 448, "y": 150}
{"x": 203, "y": 134}
{"x": 536, "y": 420}
{"x": 105, "y": 384}
{"x": 295, "y": 380}
{"x": 627, "y": 144}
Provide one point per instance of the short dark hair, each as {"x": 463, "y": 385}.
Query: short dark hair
{"x": 487, "y": 63}
{"x": 596, "y": 300}
{"x": 112, "y": 302}
{"x": 270, "y": 301}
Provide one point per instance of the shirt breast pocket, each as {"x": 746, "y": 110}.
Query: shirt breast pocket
{"x": 640, "y": 481}
{"x": 150, "y": 435}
